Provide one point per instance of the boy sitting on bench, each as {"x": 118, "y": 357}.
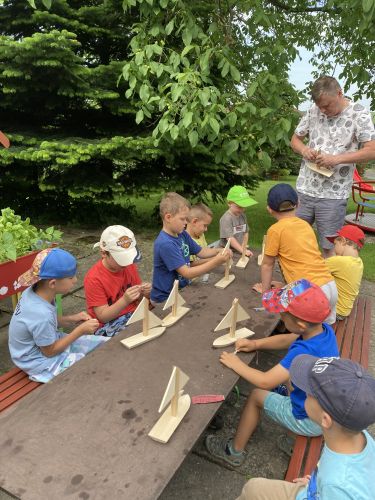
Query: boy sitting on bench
{"x": 341, "y": 399}
{"x": 302, "y": 306}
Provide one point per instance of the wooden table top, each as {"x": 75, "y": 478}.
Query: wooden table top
{"x": 84, "y": 434}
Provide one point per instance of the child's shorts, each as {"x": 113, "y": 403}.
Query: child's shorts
{"x": 114, "y": 327}
{"x": 279, "y": 409}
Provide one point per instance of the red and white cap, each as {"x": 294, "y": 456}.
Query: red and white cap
{"x": 352, "y": 233}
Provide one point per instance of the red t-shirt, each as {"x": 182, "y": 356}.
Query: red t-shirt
{"x": 104, "y": 287}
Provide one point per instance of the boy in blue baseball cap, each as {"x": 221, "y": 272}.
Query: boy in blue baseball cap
{"x": 35, "y": 344}
{"x": 341, "y": 399}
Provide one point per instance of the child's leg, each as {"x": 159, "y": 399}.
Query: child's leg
{"x": 249, "y": 418}
{"x": 114, "y": 326}
{"x": 231, "y": 451}
{"x": 260, "y": 488}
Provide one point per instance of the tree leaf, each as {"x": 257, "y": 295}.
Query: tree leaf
{"x": 139, "y": 117}
{"x": 169, "y": 27}
{"x": 232, "y": 119}
{"x": 235, "y": 73}
{"x": 214, "y": 124}
{"x": 186, "y": 121}
{"x": 193, "y": 138}
{"x": 174, "y": 132}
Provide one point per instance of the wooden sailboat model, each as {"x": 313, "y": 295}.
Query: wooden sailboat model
{"x": 260, "y": 257}
{"x": 243, "y": 260}
{"x": 176, "y": 302}
{"x": 228, "y": 278}
{"x": 175, "y": 412}
{"x": 236, "y": 313}
{"x": 150, "y": 321}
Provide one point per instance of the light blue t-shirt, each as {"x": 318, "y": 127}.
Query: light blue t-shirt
{"x": 33, "y": 325}
{"x": 323, "y": 345}
{"x": 343, "y": 477}
{"x": 170, "y": 253}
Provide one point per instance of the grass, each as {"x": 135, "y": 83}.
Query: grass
{"x": 257, "y": 215}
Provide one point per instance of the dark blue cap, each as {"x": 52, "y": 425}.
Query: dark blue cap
{"x": 279, "y": 194}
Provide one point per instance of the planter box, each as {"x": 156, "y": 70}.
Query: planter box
{"x": 11, "y": 270}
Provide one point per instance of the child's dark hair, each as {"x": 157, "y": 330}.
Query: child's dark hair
{"x": 286, "y": 206}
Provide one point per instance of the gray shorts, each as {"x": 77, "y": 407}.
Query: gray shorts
{"x": 329, "y": 215}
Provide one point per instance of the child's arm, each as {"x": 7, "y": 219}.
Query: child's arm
{"x": 266, "y": 272}
{"x": 106, "y": 313}
{"x": 281, "y": 342}
{"x": 61, "y": 344}
{"x": 208, "y": 252}
{"x": 264, "y": 380}
{"x": 192, "y": 272}
{"x": 65, "y": 321}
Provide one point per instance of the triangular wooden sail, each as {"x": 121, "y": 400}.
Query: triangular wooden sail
{"x": 172, "y": 297}
{"x": 171, "y": 391}
{"x": 139, "y": 315}
{"x": 227, "y": 320}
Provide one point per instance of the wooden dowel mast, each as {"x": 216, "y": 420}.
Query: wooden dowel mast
{"x": 174, "y": 402}
{"x": 232, "y": 331}
{"x": 175, "y": 299}
{"x": 145, "y": 322}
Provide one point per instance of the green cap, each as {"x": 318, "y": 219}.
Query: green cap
{"x": 239, "y": 196}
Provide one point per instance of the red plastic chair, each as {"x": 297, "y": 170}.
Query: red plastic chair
{"x": 363, "y": 193}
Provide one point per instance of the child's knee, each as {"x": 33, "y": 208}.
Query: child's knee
{"x": 257, "y": 397}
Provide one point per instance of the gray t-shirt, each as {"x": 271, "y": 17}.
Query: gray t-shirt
{"x": 232, "y": 226}
{"x": 334, "y": 135}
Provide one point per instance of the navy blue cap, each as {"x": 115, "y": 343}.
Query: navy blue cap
{"x": 279, "y": 194}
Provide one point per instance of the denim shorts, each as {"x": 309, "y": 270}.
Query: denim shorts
{"x": 328, "y": 215}
{"x": 279, "y": 409}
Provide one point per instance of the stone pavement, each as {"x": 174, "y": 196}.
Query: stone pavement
{"x": 199, "y": 477}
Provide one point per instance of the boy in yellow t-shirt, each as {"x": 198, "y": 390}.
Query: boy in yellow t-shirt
{"x": 346, "y": 267}
{"x": 293, "y": 242}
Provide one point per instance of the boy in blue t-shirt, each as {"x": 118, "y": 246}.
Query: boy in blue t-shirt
{"x": 302, "y": 306}
{"x": 173, "y": 247}
{"x": 341, "y": 399}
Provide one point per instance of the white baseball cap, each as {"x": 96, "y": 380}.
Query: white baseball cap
{"x": 120, "y": 242}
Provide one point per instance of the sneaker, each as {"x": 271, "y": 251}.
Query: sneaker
{"x": 220, "y": 447}
{"x": 281, "y": 389}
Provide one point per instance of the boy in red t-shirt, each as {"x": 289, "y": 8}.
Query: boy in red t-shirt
{"x": 113, "y": 286}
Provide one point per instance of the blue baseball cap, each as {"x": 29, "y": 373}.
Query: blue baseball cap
{"x": 51, "y": 263}
{"x": 279, "y": 194}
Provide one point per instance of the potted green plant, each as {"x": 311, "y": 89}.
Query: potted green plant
{"x": 20, "y": 241}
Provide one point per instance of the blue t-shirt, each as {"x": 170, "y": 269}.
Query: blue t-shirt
{"x": 33, "y": 325}
{"x": 343, "y": 477}
{"x": 170, "y": 253}
{"x": 323, "y": 345}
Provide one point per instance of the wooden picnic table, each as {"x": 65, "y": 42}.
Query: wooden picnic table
{"x": 84, "y": 434}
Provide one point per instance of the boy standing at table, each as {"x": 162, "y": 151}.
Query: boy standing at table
{"x": 302, "y": 306}
{"x": 233, "y": 224}
{"x": 113, "y": 286}
{"x": 341, "y": 399}
{"x": 346, "y": 267}
{"x": 173, "y": 247}
{"x": 292, "y": 241}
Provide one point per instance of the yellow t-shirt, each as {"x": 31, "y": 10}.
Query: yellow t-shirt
{"x": 347, "y": 272}
{"x": 201, "y": 242}
{"x": 293, "y": 241}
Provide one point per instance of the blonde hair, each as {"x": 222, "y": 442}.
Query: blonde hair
{"x": 199, "y": 211}
{"x": 348, "y": 242}
{"x": 172, "y": 203}
{"x": 324, "y": 85}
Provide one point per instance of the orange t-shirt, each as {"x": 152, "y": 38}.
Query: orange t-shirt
{"x": 293, "y": 241}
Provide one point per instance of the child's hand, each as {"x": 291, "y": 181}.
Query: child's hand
{"x": 257, "y": 287}
{"x": 302, "y": 480}
{"x": 223, "y": 257}
{"x": 245, "y": 345}
{"x": 81, "y": 316}
{"x": 230, "y": 360}
{"x": 146, "y": 289}
{"x": 248, "y": 253}
{"x": 132, "y": 293}
{"x": 276, "y": 284}
{"x": 89, "y": 326}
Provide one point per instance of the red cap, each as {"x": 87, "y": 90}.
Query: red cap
{"x": 352, "y": 233}
{"x": 301, "y": 298}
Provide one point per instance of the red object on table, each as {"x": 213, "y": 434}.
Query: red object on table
{"x": 207, "y": 398}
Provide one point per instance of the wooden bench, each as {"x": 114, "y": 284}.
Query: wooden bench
{"x": 353, "y": 339}
{"x": 14, "y": 385}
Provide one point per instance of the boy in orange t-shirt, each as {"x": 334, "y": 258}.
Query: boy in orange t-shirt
{"x": 293, "y": 242}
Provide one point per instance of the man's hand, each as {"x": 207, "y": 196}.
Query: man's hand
{"x": 245, "y": 345}
{"x": 81, "y": 316}
{"x": 309, "y": 154}
{"x": 327, "y": 161}
{"x": 230, "y": 360}
{"x": 132, "y": 293}
{"x": 88, "y": 327}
